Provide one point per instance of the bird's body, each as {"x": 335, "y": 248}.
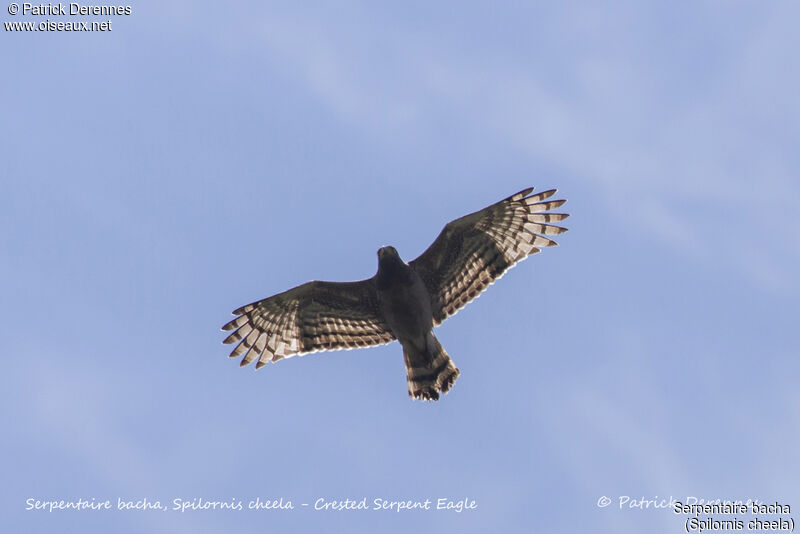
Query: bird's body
{"x": 405, "y": 304}
{"x": 403, "y": 301}
{"x": 400, "y": 289}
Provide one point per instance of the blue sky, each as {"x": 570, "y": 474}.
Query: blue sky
{"x": 199, "y": 157}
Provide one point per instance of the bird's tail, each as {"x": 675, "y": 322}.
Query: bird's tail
{"x": 430, "y": 371}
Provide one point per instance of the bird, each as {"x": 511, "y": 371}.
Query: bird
{"x": 403, "y": 301}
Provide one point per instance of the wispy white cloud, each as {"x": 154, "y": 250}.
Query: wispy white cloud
{"x": 625, "y": 126}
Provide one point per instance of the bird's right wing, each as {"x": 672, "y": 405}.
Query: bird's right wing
{"x": 475, "y": 250}
{"x": 311, "y": 317}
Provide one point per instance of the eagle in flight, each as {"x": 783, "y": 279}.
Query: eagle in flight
{"x": 403, "y": 301}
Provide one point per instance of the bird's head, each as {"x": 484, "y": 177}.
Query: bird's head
{"x": 389, "y": 265}
{"x": 387, "y": 252}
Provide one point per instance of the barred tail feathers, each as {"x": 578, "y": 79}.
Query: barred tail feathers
{"x": 430, "y": 371}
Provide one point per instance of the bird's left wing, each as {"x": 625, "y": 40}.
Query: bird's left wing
{"x": 311, "y": 317}
{"x": 475, "y": 250}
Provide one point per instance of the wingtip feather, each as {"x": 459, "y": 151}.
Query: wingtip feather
{"x": 522, "y": 194}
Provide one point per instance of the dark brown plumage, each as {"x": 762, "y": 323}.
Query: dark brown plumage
{"x": 403, "y": 301}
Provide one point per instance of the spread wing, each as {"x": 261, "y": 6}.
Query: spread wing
{"x": 308, "y": 318}
{"x": 475, "y": 250}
